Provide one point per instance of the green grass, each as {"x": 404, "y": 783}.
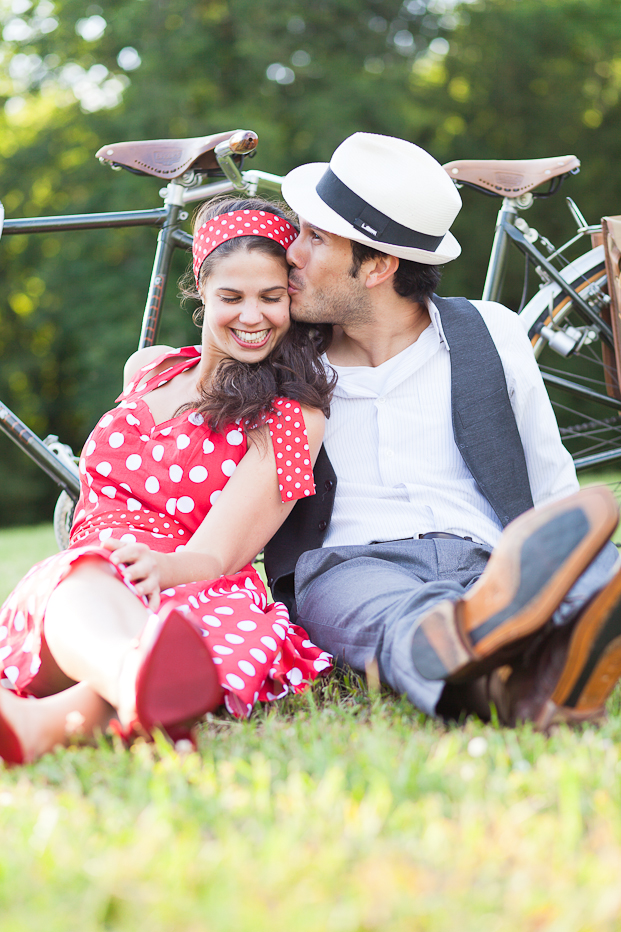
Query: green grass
{"x": 609, "y": 477}
{"x": 340, "y": 810}
{"x": 21, "y": 548}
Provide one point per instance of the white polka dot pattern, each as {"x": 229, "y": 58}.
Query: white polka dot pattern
{"x": 197, "y": 474}
{"x": 293, "y": 465}
{"x": 239, "y": 223}
{"x": 154, "y": 484}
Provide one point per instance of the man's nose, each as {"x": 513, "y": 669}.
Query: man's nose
{"x": 293, "y": 253}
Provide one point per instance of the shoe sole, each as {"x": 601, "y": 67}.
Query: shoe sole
{"x": 177, "y": 680}
{"x": 11, "y": 750}
{"x": 593, "y": 663}
{"x": 539, "y": 557}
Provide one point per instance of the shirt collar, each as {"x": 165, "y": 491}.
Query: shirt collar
{"x": 436, "y": 323}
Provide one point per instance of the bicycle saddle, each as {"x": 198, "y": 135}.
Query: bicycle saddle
{"x": 170, "y": 158}
{"x": 509, "y": 177}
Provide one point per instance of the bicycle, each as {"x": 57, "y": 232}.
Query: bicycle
{"x": 569, "y": 315}
{"x": 568, "y": 318}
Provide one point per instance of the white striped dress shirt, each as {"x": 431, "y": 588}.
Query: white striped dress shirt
{"x": 390, "y": 440}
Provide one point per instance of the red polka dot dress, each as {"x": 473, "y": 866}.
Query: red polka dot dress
{"x": 154, "y": 484}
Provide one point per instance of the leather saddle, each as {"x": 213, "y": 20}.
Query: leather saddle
{"x": 170, "y": 158}
{"x": 510, "y": 177}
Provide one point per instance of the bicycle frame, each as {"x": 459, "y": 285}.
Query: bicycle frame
{"x": 505, "y": 232}
{"x": 53, "y": 458}
{"x": 58, "y": 461}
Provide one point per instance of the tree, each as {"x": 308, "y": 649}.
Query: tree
{"x": 524, "y": 79}
{"x": 302, "y": 75}
{"x": 490, "y": 78}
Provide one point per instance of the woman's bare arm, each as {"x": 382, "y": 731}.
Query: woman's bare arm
{"x": 245, "y": 516}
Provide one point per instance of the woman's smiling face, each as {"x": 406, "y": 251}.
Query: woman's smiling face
{"x": 246, "y": 306}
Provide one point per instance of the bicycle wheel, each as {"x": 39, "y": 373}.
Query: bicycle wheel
{"x": 63, "y": 519}
{"x": 583, "y": 385}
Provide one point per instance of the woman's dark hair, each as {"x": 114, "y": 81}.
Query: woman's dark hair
{"x": 412, "y": 280}
{"x": 246, "y": 391}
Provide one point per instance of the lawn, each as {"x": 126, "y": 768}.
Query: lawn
{"x": 340, "y": 810}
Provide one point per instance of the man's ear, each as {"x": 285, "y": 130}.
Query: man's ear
{"x": 381, "y": 268}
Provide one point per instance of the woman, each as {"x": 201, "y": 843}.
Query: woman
{"x": 182, "y": 485}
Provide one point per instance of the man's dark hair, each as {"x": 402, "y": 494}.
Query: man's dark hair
{"x": 412, "y": 280}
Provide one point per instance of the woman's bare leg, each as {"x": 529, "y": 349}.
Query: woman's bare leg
{"x": 42, "y": 724}
{"x": 50, "y": 679}
{"x": 91, "y": 623}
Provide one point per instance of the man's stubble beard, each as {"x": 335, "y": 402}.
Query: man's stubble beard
{"x": 343, "y": 307}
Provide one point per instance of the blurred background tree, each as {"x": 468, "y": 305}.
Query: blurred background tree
{"x": 524, "y": 79}
{"x": 490, "y": 78}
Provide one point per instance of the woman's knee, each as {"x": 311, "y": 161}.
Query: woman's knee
{"x": 89, "y": 568}
{"x": 87, "y": 578}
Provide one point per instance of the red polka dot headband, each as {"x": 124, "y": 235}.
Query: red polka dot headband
{"x": 239, "y": 223}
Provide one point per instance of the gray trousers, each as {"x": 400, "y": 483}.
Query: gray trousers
{"x": 363, "y": 603}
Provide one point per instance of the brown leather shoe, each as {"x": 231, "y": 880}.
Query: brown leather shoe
{"x": 459, "y": 700}
{"x": 538, "y": 558}
{"x": 569, "y": 676}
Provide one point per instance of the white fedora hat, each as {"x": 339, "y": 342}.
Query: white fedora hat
{"x": 383, "y": 192}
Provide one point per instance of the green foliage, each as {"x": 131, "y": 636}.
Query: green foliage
{"x": 525, "y": 79}
{"x": 502, "y": 78}
{"x": 71, "y": 303}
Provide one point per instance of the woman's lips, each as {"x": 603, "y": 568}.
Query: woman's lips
{"x": 252, "y": 339}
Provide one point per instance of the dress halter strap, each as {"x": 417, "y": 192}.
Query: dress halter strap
{"x": 189, "y": 357}
{"x": 286, "y": 424}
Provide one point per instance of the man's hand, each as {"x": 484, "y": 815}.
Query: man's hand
{"x": 140, "y": 566}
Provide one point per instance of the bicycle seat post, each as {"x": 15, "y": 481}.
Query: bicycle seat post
{"x": 166, "y": 242}
{"x": 498, "y": 256}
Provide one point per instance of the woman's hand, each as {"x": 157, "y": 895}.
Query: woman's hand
{"x": 140, "y": 566}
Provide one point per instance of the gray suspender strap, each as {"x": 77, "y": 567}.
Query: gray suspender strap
{"x": 483, "y": 421}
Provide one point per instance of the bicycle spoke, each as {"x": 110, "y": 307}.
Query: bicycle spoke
{"x": 574, "y": 376}
{"x": 586, "y": 427}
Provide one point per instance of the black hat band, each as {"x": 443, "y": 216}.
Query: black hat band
{"x": 367, "y": 219}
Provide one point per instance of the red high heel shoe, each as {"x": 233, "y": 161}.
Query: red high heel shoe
{"x": 177, "y": 681}
{"x": 11, "y": 750}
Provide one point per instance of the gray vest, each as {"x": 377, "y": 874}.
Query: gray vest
{"x": 485, "y": 433}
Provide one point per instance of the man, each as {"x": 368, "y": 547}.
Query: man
{"x": 441, "y": 433}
